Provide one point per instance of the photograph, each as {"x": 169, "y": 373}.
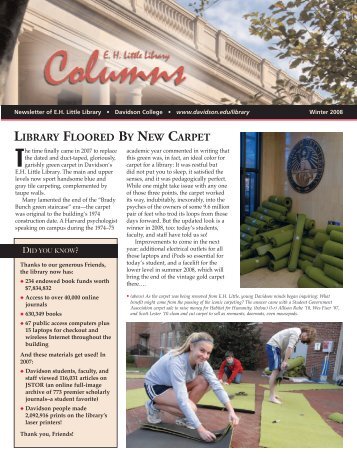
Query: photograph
{"x": 234, "y": 385}
{"x": 291, "y": 232}
{"x": 174, "y": 52}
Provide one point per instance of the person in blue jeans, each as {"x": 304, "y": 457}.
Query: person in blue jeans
{"x": 232, "y": 367}
{"x": 279, "y": 349}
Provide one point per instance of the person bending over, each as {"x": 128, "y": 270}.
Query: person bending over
{"x": 232, "y": 367}
{"x": 179, "y": 379}
{"x": 279, "y": 349}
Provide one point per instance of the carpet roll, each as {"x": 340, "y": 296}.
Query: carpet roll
{"x": 318, "y": 262}
{"x": 261, "y": 225}
{"x": 282, "y": 200}
{"x": 312, "y": 232}
{"x": 244, "y": 245}
{"x": 257, "y": 238}
{"x": 333, "y": 273}
{"x": 309, "y": 251}
{"x": 291, "y": 217}
{"x": 309, "y": 224}
{"x": 272, "y": 213}
{"x": 282, "y": 238}
{"x": 320, "y": 239}
{"x": 252, "y": 230}
{"x": 330, "y": 260}
{"x": 280, "y": 252}
{"x": 296, "y": 243}
{"x": 302, "y": 264}
{"x": 262, "y": 250}
{"x": 295, "y": 362}
{"x": 308, "y": 241}
{"x": 262, "y": 217}
{"x": 246, "y": 237}
{"x": 330, "y": 228}
{"x": 336, "y": 236}
{"x": 251, "y": 264}
{"x": 257, "y": 244}
{"x": 336, "y": 417}
{"x": 335, "y": 249}
{"x": 274, "y": 232}
{"x": 277, "y": 207}
{"x": 319, "y": 276}
{"x": 247, "y": 253}
{"x": 276, "y": 265}
{"x": 302, "y": 256}
{"x": 307, "y": 283}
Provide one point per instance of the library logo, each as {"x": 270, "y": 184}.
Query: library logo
{"x": 306, "y": 165}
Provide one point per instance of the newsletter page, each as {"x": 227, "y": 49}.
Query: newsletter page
{"x": 142, "y": 140}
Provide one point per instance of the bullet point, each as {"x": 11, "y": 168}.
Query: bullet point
{"x": 21, "y": 314}
{"x": 21, "y": 297}
{"x": 21, "y": 371}
{"x": 22, "y": 280}
{"x": 21, "y": 323}
{"x": 21, "y": 408}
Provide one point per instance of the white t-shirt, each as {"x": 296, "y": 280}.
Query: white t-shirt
{"x": 285, "y": 338}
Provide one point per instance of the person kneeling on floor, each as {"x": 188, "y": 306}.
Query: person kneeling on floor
{"x": 232, "y": 367}
{"x": 179, "y": 379}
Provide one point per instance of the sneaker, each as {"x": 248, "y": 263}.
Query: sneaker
{"x": 153, "y": 414}
{"x": 182, "y": 422}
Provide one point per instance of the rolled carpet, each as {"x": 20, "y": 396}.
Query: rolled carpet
{"x": 274, "y": 232}
{"x": 261, "y": 225}
{"x": 282, "y": 200}
{"x": 335, "y": 249}
{"x": 291, "y": 217}
{"x": 312, "y": 232}
{"x": 307, "y": 283}
{"x": 296, "y": 243}
{"x": 244, "y": 245}
{"x": 262, "y": 250}
{"x": 276, "y": 265}
{"x": 336, "y": 417}
{"x": 246, "y": 237}
{"x": 333, "y": 273}
{"x": 262, "y": 217}
{"x": 302, "y": 264}
{"x": 257, "y": 238}
{"x": 272, "y": 213}
{"x": 318, "y": 262}
{"x": 257, "y": 244}
{"x": 280, "y": 252}
{"x": 252, "y": 230}
{"x": 309, "y": 224}
{"x": 309, "y": 251}
{"x": 251, "y": 264}
{"x": 277, "y": 207}
{"x": 330, "y": 228}
{"x": 302, "y": 256}
{"x": 320, "y": 239}
{"x": 308, "y": 241}
{"x": 247, "y": 253}
{"x": 281, "y": 238}
{"x": 292, "y": 364}
{"x": 336, "y": 236}
{"x": 334, "y": 261}
{"x": 319, "y": 276}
